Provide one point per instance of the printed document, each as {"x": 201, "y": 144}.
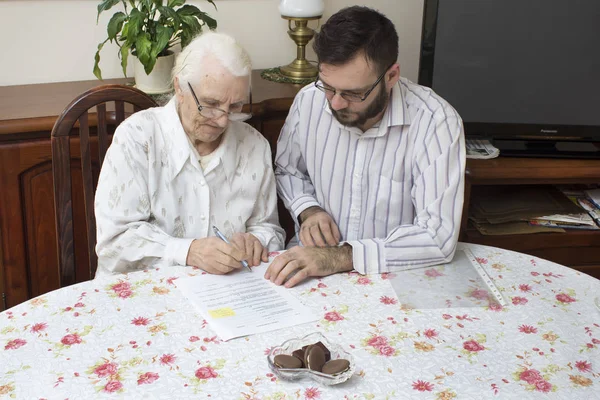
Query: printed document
{"x": 244, "y": 303}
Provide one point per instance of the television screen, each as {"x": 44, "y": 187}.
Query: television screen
{"x": 524, "y": 73}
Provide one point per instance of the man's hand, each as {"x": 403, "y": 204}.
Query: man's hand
{"x": 254, "y": 252}
{"x": 318, "y": 228}
{"x": 298, "y": 263}
{"x": 214, "y": 256}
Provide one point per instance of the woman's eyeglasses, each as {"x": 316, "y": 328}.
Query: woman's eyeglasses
{"x": 216, "y": 113}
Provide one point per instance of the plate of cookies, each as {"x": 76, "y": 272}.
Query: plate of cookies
{"x": 312, "y": 356}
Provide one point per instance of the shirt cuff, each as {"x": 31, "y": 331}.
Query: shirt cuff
{"x": 177, "y": 250}
{"x": 368, "y": 256}
{"x": 302, "y": 203}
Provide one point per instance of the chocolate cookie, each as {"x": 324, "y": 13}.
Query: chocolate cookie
{"x": 306, "y": 350}
{"x": 325, "y": 350}
{"x": 285, "y": 361}
{"x": 315, "y": 358}
{"x": 299, "y": 354}
{"x": 335, "y": 367}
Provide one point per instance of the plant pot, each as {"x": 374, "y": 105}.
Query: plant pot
{"x": 159, "y": 80}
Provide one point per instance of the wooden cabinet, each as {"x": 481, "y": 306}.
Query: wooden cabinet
{"x": 28, "y": 262}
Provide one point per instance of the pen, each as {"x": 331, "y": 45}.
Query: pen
{"x": 223, "y": 238}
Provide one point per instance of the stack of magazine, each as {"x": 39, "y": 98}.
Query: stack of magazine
{"x": 589, "y": 216}
{"x": 481, "y": 149}
{"x": 514, "y": 210}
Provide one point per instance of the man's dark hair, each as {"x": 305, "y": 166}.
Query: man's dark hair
{"x": 355, "y": 29}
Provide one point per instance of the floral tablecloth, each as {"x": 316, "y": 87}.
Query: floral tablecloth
{"x": 136, "y": 336}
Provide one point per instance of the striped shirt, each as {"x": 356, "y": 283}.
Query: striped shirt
{"x": 396, "y": 191}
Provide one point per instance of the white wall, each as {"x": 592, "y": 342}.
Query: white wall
{"x": 55, "y": 40}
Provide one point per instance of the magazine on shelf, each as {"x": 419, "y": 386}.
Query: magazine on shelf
{"x": 480, "y": 148}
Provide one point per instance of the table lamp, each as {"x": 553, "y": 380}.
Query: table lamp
{"x": 300, "y": 11}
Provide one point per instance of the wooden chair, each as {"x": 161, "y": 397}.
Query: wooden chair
{"x": 62, "y": 132}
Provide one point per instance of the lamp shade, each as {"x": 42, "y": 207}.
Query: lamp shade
{"x": 301, "y": 8}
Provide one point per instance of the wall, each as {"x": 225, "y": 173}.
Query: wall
{"x": 55, "y": 40}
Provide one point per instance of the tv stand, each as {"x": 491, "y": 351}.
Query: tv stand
{"x": 548, "y": 148}
{"x": 578, "y": 249}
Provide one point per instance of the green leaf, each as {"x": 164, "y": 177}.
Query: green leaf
{"x": 149, "y": 66}
{"x": 115, "y": 24}
{"x": 105, "y": 5}
{"x": 190, "y": 29}
{"x": 97, "y": 71}
{"x": 213, "y": 3}
{"x": 163, "y": 35}
{"x": 124, "y": 55}
{"x": 134, "y": 28}
{"x": 146, "y": 4}
{"x": 143, "y": 46}
{"x": 175, "y": 3}
{"x": 188, "y": 10}
{"x": 212, "y": 23}
{"x": 170, "y": 13}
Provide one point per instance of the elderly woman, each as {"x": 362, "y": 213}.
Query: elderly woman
{"x": 174, "y": 172}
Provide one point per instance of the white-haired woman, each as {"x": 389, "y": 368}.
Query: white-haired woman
{"x": 174, "y": 172}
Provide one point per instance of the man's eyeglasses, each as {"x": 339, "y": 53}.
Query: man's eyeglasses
{"x": 216, "y": 113}
{"x": 349, "y": 96}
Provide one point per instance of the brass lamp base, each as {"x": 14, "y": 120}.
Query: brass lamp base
{"x": 300, "y": 68}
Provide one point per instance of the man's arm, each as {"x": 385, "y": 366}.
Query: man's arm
{"x": 293, "y": 182}
{"x": 127, "y": 239}
{"x": 438, "y": 193}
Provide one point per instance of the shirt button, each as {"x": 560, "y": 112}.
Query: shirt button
{"x": 357, "y": 175}
{"x": 202, "y": 217}
{"x": 202, "y": 183}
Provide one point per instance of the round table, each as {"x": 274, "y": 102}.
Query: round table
{"x": 137, "y": 336}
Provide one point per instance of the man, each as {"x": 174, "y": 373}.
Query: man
{"x": 370, "y": 164}
{"x": 173, "y": 172}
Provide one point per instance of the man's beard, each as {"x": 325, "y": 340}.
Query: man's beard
{"x": 351, "y": 119}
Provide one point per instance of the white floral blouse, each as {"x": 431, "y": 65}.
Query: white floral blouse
{"x": 153, "y": 198}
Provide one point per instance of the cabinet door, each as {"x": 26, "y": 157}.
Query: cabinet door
{"x": 27, "y": 226}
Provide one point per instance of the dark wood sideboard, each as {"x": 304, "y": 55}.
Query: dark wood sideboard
{"x": 28, "y": 261}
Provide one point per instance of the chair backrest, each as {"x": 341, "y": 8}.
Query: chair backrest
{"x": 77, "y": 112}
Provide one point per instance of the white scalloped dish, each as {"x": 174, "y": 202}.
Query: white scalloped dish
{"x": 287, "y": 347}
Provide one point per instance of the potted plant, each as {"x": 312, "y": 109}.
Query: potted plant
{"x": 148, "y": 29}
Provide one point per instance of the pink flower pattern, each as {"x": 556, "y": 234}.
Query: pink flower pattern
{"x": 15, "y": 344}
{"x": 518, "y": 300}
{"x": 433, "y": 273}
{"x": 106, "y": 369}
{"x": 113, "y": 386}
{"x": 565, "y": 298}
{"x": 583, "y": 366}
{"x": 71, "y": 339}
{"x": 333, "y": 316}
{"x": 527, "y": 329}
{"x": 473, "y": 346}
{"x": 36, "y": 328}
{"x": 206, "y": 373}
{"x": 388, "y": 300}
{"x": 422, "y": 386}
{"x": 167, "y": 359}
{"x": 147, "y": 378}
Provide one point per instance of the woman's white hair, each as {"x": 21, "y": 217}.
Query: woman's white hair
{"x": 188, "y": 64}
